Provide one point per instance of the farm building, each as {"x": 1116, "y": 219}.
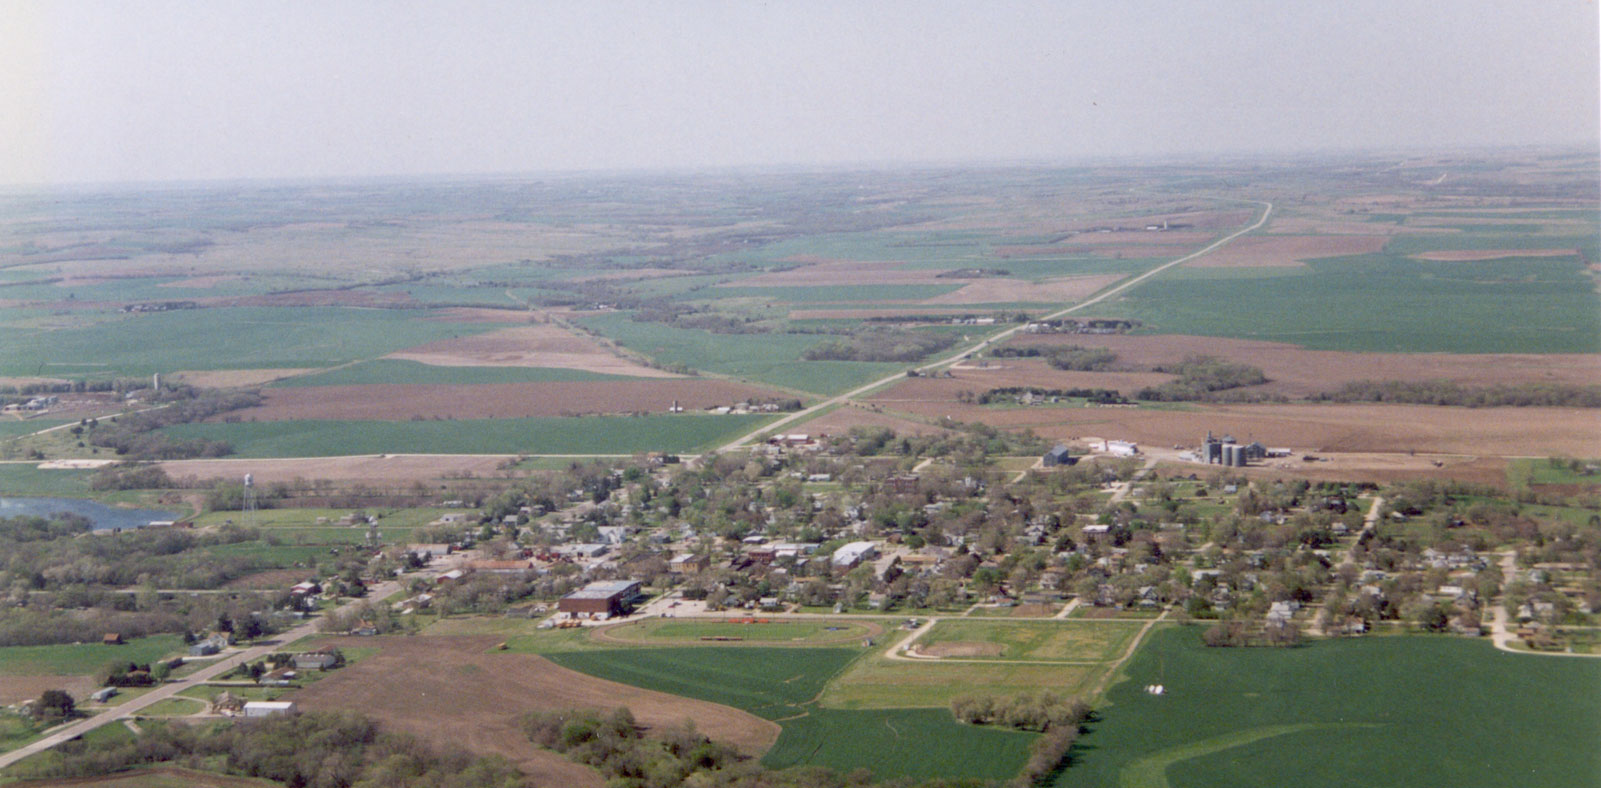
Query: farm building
{"x": 854, "y": 553}
{"x": 103, "y": 694}
{"x": 268, "y": 708}
{"x": 604, "y": 599}
{"x": 1058, "y": 456}
{"x": 319, "y": 660}
{"x": 209, "y": 646}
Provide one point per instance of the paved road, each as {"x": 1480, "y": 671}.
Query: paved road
{"x": 172, "y": 688}
{"x": 817, "y": 409}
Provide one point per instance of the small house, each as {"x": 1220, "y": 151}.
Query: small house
{"x": 316, "y": 660}
{"x": 1058, "y": 456}
{"x": 112, "y": 639}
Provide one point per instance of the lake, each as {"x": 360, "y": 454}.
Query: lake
{"x": 104, "y": 517}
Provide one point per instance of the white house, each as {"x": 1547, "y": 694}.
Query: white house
{"x": 268, "y": 708}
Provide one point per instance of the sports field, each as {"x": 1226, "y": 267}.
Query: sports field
{"x": 1399, "y": 711}
{"x": 1054, "y": 641}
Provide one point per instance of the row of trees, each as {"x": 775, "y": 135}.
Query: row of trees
{"x": 1446, "y": 392}
{"x": 312, "y": 750}
{"x": 881, "y": 344}
{"x": 1200, "y": 376}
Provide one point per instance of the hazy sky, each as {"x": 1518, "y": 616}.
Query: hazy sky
{"x": 93, "y": 91}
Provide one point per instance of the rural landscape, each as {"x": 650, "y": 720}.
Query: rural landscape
{"x": 1114, "y": 475}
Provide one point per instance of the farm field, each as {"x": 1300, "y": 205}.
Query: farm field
{"x": 1273, "y": 716}
{"x": 369, "y": 469}
{"x": 1384, "y": 302}
{"x": 761, "y": 358}
{"x": 1306, "y": 427}
{"x": 398, "y": 402}
{"x": 390, "y": 370}
{"x": 553, "y": 435}
{"x": 83, "y": 658}
{"x": 242, "y": 338}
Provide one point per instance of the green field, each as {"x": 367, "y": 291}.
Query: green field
{"x": 173, "y": 707}
{"x": 1522, "y": 473}
{"x": 1065, "y": 641}
{"x": 689, "y": 432}
{"x": 10, "y": 428}
{"x": 235, "y": 338}
{"x": 83, "y": 658}
{"x": 390, "y": 370}
{"x": 1382, "y": 302}
{"x": 26, "y": 478}
{"x": 763, "y": 358}
{"x": 1396, "y": 711}
{"x": 826, "y": 294}
{"x": 658, "y": 631}
{"x": 782, "y": 685}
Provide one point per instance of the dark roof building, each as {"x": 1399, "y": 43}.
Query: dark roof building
{"x": 1058, "y": 456}
{"x": 608, "y": 598}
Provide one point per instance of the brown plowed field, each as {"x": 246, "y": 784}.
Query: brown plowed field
{"x": 236, "y": 378}
{"x": 402, "y": 401}
{"x": 455, "y": 691}
{"x": 1286, "y": 250}
{"x": 1002, "y": 291}
{"x": 1297, "y": 372}
{"x": 160, "y": 777}
{"x": 1467, "y": 255}
{"x": 15, "y": 689}
{"x": 1302, "y": 225}
{"x": 1324, "y": 427}
{"x": 539, "y": 345}
{"x": 380, "y": 469}
{"x": 841, "y": 420}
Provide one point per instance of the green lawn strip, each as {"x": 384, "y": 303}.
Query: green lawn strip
{"x": 78, "y": 659}
{"x": 389, "y": 370}
{"x": 877, "y": 682}
{"x": 173, "y": 707}
{"x": 17, "y": 730}
{"x": 617, "y": 435}
{"x": 1420, "y": 711}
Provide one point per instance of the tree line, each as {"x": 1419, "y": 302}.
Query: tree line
{"x": 1446, "y": 392}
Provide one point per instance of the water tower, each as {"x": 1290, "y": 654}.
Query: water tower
{"x": 249, "y": 505}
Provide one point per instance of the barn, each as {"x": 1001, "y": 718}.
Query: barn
{"x": 603, "y": 599}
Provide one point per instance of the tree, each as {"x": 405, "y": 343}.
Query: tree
{"x": 54, "y": 704}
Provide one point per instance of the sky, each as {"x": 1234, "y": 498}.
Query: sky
{"x": 154, "y": 91}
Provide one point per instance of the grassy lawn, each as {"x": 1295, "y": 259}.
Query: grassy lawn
{"x": 770, "y": 683}
{"x": 658, "y": 631}
{"x": 84, "y": 658}
{"x": 1395, "y": 711}
{"x": 585, "y": 435}
{"x": 1068, "y": 641}
{"x": 173, "y": 707}
{"x": 17, "y": 730}
{"x": 1522, "y": 473}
